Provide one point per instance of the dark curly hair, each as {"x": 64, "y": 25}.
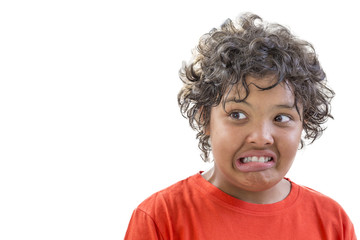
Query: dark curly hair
{"x": 251, "y": 47}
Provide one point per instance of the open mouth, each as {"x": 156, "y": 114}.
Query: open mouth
{"x": 261, "y": 159}
{"x": 256, "y": 161}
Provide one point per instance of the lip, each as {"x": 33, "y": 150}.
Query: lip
{"x": 255, "y": 166}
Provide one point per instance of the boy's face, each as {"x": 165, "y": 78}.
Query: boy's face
{"x": 254, "y": 142}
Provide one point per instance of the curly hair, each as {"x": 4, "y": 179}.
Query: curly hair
{"x": 252, "y": 47}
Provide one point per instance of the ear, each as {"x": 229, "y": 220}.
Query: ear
{"x": 204, "y": 120}
{"x": 207, "y": 130}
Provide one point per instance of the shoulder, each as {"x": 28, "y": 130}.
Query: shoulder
{"x": 328, "y": 212}
{"x": 322, "y": 204}
{"x": 157, "y": 215}
{"x": 317, "y": 197}
{"x": 171, "y": 197}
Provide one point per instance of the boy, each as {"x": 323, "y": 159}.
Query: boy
{"x": 250, "y": 92}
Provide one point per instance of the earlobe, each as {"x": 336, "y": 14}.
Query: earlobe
{"x": 207, "y": 130}
{"x": 203, "y": 121}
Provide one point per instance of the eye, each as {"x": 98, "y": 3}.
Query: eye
{"x": 282, "y": 118}
{"x": 237, "y": 115}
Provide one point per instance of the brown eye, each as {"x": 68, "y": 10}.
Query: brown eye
{"x": 237, "y": 115}
{"x": 282, "y": 118}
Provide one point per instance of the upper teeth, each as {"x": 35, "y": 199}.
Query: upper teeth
{"x": 256, "y": 159}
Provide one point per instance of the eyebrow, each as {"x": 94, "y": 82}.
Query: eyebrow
{"x": 237, "y": 101}
{"x": 283, "y": 105}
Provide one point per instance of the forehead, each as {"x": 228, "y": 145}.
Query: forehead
{"x": 260, "y": 87}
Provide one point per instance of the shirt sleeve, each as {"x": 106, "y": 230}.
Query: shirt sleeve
{"x": 349, "y": 230}
{"x": 347, "y": 227}
{"x": 142, "y": 227}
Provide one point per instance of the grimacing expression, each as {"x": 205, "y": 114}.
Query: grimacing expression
{"x": 254, "y": 142}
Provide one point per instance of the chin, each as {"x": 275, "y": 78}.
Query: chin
{"x": 256, "y": 182}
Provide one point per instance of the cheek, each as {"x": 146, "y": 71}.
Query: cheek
{"x": 290, "y": 142}
{"x": 224, "y": 141}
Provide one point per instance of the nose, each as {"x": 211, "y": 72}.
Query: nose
{"x": 260, "y": 134}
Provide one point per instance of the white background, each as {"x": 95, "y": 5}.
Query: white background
{"x": 89, "y": 123}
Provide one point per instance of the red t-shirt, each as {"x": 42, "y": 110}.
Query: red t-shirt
{"x": 195, "y": 209}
